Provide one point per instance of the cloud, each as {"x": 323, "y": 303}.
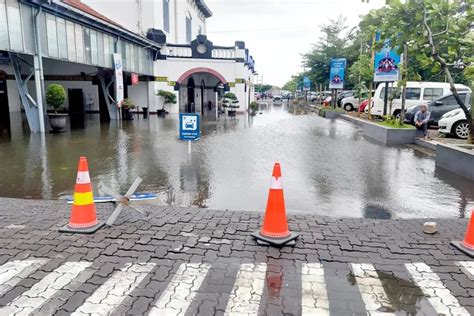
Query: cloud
{"x": 277, "y": 32}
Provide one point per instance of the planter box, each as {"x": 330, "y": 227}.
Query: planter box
{"x": 455, "y": 159}
{"x": 383, "y": 134}
{"x": 328, "y": 114}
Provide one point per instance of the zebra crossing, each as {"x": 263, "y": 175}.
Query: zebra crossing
{"x": 245, "y": 298}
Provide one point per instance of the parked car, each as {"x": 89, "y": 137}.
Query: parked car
{"x": 344, "y": 94}
{"x": 454, "y": 123}
{"x": 350, "y": 103}
{"x": 438, "y": 108}
{"x": 363, "y": 106}
{"x": 417, "y": 93}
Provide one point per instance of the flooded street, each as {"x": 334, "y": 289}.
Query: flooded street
{"x": 328, "y": 167}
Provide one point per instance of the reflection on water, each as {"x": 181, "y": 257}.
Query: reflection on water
{"x": 328, "y": 167}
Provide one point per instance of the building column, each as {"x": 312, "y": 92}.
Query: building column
{"x": 38, "y": 67}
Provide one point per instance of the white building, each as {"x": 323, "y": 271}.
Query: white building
{"x": 162, "y": 44}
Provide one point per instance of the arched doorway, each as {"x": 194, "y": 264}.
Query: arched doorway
{"x": 198, "y": 86}
{"x": 190, "y": 107}
{"x": 4, "y": 108}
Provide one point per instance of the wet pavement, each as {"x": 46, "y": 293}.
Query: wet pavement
{"x": 183, "y": 261}
{"x": 328, "y": 167}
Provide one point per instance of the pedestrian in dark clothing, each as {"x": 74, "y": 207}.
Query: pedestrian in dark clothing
{"x": 421, "y": 120}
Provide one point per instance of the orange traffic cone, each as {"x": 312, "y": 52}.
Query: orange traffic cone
{"x": 83, "y": 214}
{"x": 467, "y": 245}
{"x": 275, "y": 228}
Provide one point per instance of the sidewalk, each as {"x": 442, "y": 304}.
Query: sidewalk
{"x": 204, "y": 262}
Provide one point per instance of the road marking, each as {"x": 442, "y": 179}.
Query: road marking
{"x": 11, "y": 273}
{"x": 247, "y": 292}
{"x": 116, "y": 289}
{"x": 42, "y": 291}
{"x": 181, "y": 290}
{"x": 437, "y": 294}
{"x": 314, "y": 296}
{"x": 467, "y": 267}
{"x": 371, "y": 289}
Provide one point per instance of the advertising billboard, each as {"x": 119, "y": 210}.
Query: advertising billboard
{"x": 386, "y": 65}
{"x": 337, "y": 73}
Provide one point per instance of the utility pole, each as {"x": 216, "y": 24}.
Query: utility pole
{"x": 371, "y": 83}
{"x": 405, "y": 78}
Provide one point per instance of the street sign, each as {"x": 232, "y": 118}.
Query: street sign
{"x": 337, "y": 73}
{"x": 119, "y": 89}
{"x": 189, "y": 126}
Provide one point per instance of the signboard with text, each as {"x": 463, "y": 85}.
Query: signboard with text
{"x": 386, "y": 65}
{"x": 337, "y": 73}
{"x": 189, "y": 126}
{"x": 118, "y": 79}
{"x": 306, "y": 84}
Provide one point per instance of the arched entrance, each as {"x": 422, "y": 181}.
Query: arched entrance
{"x": 198, "y": 91}
{"x": 190, "y": 106}
{"x": 4, "y": 108}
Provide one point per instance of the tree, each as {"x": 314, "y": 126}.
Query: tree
{"x": 263, "y": 87}
{"x": 55, "y": 96}
{"x": 438, "y": 36}
{"x": 360, "y": 74}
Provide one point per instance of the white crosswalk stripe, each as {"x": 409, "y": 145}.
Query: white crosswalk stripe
{"x": 14, "y": 271}
{"x": 437, "y": 294}
{"x": 248, "y": 289}
{"x": 245, "y": 298}
{"x": 181, "y": 290}
{"x": 371, "y": 289}
{"x": 314, "y": 296}
{"x": 42, "y": 291}
{"x": 467, "y": 267}
{"x": 116, "y": 289}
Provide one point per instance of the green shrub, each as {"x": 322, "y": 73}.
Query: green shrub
{"x": 128, "y": 103}
{"x": 55, "y": 96}
{"x": 230, "y": 95}
{"x": 168, "y": 97}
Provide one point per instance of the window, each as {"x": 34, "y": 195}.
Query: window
{"x": 450, "y": 100}
{"x": 71, "y": 41}
{"x": 382, "y": 93}
{"x": 107, "y": 52}
{"x": 14, "y": 26}
{"x": 94, "y": 48}
{"x": 100, "y": 51}
{"x": 27, "y": 24}
{"x": 189, "y": 29}
{"x": 413, "y": 93}
{"x": 4, "y": 43}
{"x": 79, "y": 43}
{"x": 87, "y": 44}
{"x": 432, "y": 93}
{"x": 52, "y": 36}
{"x": 62, "y": 41}
{"x": 166, "y": 15}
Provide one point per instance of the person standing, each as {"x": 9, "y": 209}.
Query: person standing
{"x": 421, "y": 120}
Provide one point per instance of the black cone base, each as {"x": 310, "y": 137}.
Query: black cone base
{"x": 458, "y": 244}
{"x": 88, "y": 230}
{"x": 276, "y": 242}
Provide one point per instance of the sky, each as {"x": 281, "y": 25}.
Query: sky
{"x": 277, "y": 32}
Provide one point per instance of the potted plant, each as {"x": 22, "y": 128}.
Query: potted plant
{"x": 128, "y": 105}
{"x": 230, "y": 101}
{"x": 254, "y": 108}
{"x": 55, "y": 97}
{"x": 168, "y": 98}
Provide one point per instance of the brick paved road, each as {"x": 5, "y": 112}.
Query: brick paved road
{"x": 203, "y": 262}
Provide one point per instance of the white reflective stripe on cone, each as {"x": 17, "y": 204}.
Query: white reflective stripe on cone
{"x": 83, "y": 177}
{"x": 276, "y": 184}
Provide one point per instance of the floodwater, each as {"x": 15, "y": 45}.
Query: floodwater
{"x": 328, "y": 167}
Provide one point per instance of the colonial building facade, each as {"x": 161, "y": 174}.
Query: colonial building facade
{"x": 161, "y": 45}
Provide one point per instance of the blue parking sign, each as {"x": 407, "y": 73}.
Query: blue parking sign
{"x": 189, "y": 126}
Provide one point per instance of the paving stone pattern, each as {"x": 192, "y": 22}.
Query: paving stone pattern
{"x": 204, "y": 262}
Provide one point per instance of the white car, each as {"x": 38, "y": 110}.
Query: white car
{"x": 350, "y": 103}
{"x": 454, "y": 122}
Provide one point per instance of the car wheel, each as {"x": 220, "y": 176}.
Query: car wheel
{"x": 348, "y": 107}
{"x": 461, "y": 129}
{"x": 397, "y": 114}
